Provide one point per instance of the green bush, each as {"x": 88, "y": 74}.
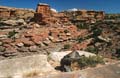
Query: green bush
{"x": 90, "y": 61}
{"x": 94, "y": 60}
{"x": 82, "y": 26}
{"x": 80, "y": 40}
{"x": 97, "y": 32}
{"x": 118, "y": 53}
{"x": 92, "y": 50}
{"x": 12, "y": 34}
{"x": 83, "y": 61}
{"x": 66, "y": 31}
{"x": 67, "y": 46}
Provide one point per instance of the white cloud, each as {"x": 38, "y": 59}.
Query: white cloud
{"x": 74, "y": 9}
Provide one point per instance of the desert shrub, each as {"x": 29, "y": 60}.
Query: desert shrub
{"x": 11, "y": 34}
{"x": 67, "y": 46}
{"x": 1, "y": 19}
{"x": 50, "y": 33}
{"x": 83, "y": 61}
{"x": 94, "y": 60}
{"x": 118, "y": 53}
{"x": 92, "y": 50}
{"x": 90, "y": 61}
{"x": 79, "y": 39}
{"x": 82, "y": 26}
{"x": 97, "y": 32}
{"x": 31, "y": 74}
{"x": 66, "y": 31}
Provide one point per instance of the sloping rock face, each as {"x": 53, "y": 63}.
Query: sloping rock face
{"x": 109, "y": 71}
{"x": 19, "y": 66}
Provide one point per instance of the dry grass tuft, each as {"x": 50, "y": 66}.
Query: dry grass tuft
{"x": 31, "y": 74}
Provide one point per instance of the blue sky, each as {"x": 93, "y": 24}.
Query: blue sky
{"x": 109, "y": 6}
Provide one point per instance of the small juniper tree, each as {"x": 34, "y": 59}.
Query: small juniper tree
{"x": 12, "y": 34}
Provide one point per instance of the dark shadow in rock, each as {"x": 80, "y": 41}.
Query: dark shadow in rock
{"x": 67, "y": 60}
{"x": 60, "y": 68}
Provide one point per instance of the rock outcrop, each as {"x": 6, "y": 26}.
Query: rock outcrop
{"x": 88, "y": 16}
{"x": 13, "y": 13}
{"x": 25, "y": 65}
{"x": 111, "y": 71}
{"x": 57, "y": 56}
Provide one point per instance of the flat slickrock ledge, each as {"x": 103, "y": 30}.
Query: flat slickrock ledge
{"x": 20, "y": 66}
{"x": 108, "y": 71}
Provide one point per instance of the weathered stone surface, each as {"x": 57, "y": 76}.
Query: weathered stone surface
{"x": 104, "y": 39}
{"x": 2, "y": 48}
{"x": 10, "y": 51}
{"x": 57, "y": 56}
{"x": 10, "y": 12}
{"x": 20, "y": 44}
{"x": 47, "y": 42}
{"x": 17, "y": 36}
{"x": 68, "y": 34}
{"x": 86, "y": 15}
{"x": 10, "y": 22}
{"x": 109, "y": 71}
{"x": 83, "y": 45}
{"x": 8, "y": 41}
{"x": 33, "y": 48}
{"x": 13, "y": 22}
{"x": 1, "y": 43}
{"x": 28, "y": 43}
{"x": 62, "y": 75}
{"x": 51, "y": 38}
{"x": 23, "y": 49}
{"x": 3, "y": 36}
{"x": 36, "y": 39}
{"x": 21, "y": 22}
{"x": 19, "y": 66}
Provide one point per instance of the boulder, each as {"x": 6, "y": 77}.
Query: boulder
{"x": 51, "y": 38}
{"x": 87, "y": 54}
{"x": 57, "y": 56}
{"x": 68, "y": 34}
{"x": 7, "y": 41}
{"x": 104, "y": 39}
{"x": 47, "y": 42}
{"x": 3, "y": 36}
{"x": 23, "y": 49}
{"x": 10, "y": 51}
{"x": 41, "y": 44}
{"x": 2, "y": 49}
{"x": 21, "y": 21}
{"x": 9, "y": 22}
{"x": 14, "y": 68}
{"x": 28, "y": 43}
{"x": 33, "y": 48}
{"x": 17, "y": 36}
{"x": 36, "y": 39}
{"x": 20, "y": 44}
{"x": 14, "y": 22}
{"x": 36, "y": 25}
